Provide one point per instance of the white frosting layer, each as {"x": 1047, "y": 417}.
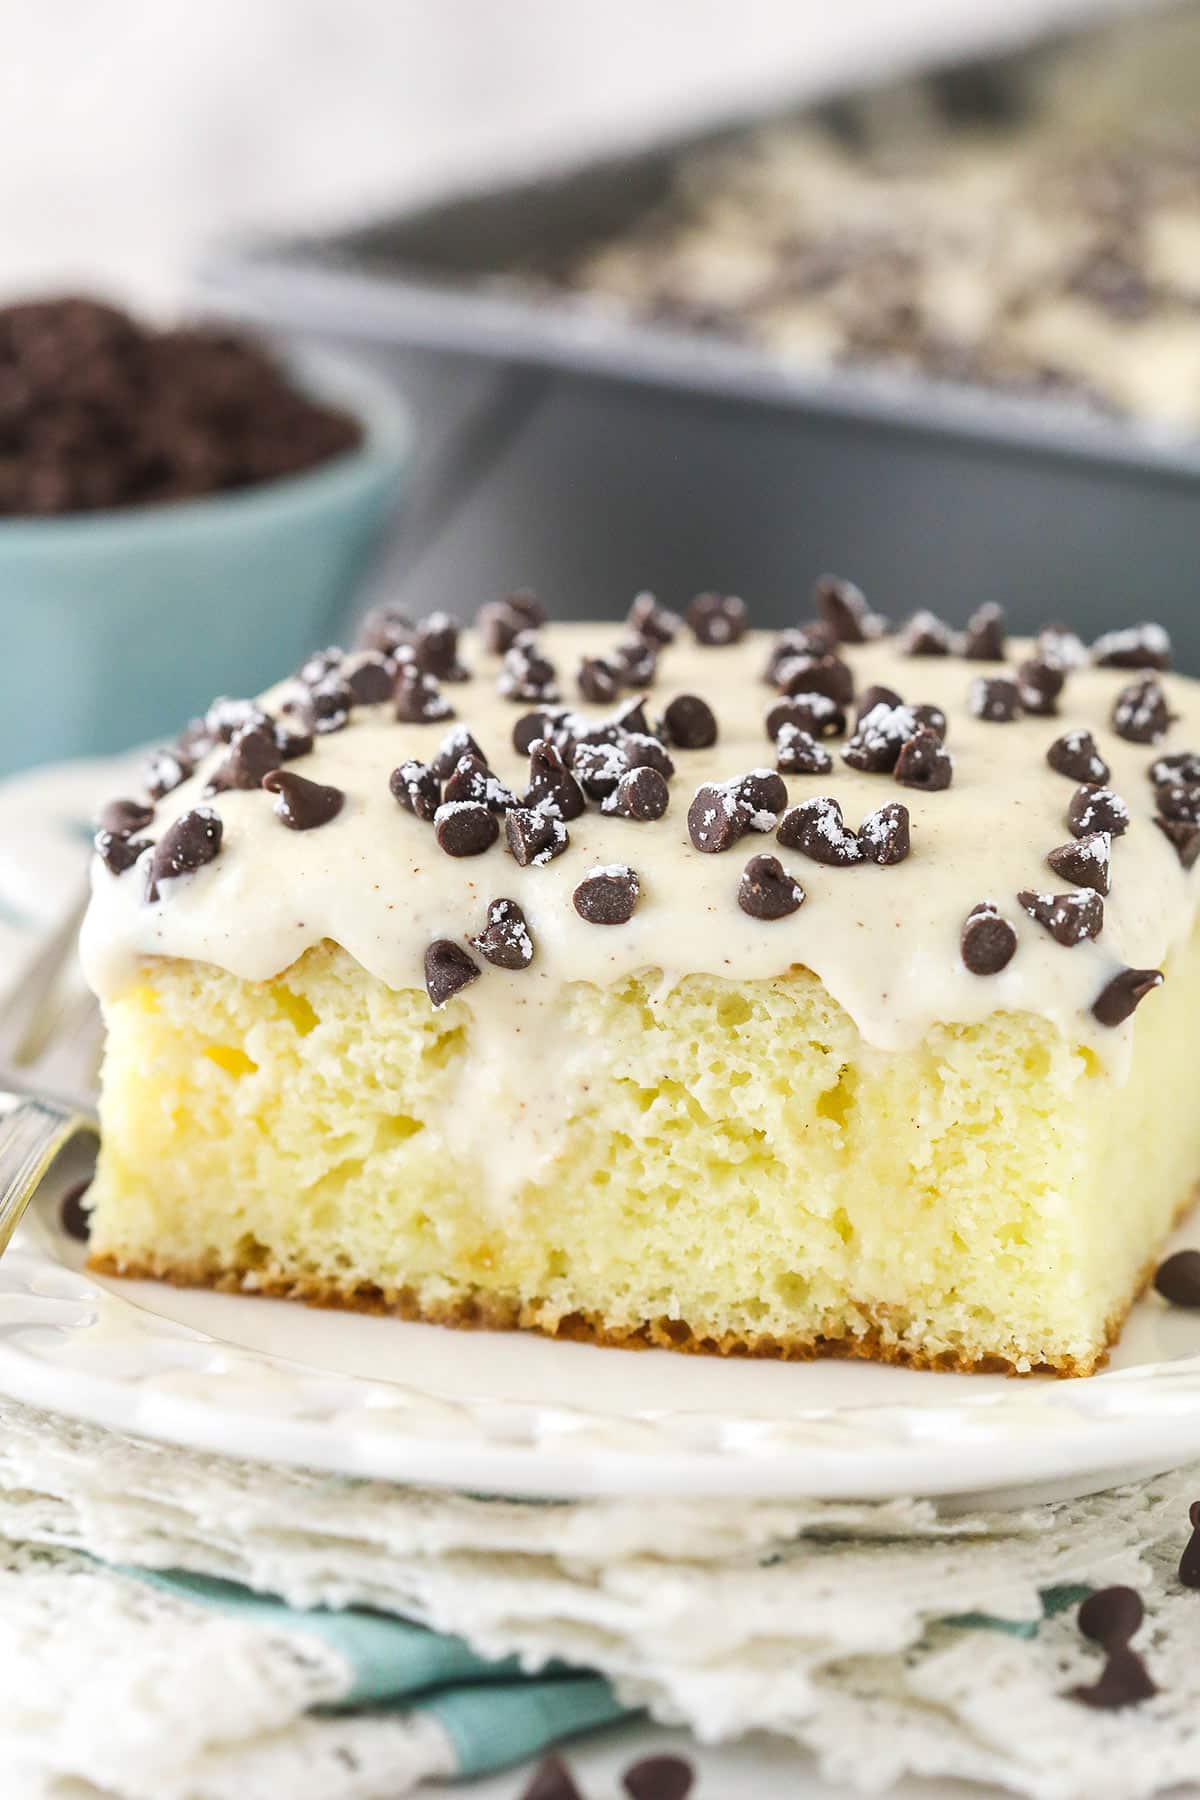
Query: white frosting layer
{"x": 885, "y": 941}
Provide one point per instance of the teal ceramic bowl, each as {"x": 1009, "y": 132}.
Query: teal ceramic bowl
{"x": 119, "y": 627}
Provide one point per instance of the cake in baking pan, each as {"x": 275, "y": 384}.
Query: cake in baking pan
{"x": 832, "y": 993}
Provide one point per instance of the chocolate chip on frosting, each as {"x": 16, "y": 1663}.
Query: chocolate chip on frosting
{"x": 1110, "y": 1618}
{"x": 994, "y": 698}
{"x": 1182, "y": 765}
{"x": 435, "y": 648}
{"x": 717, "y": 817}
{"x": 598, "y": 768}
{"x": 454, "y": 746}
{"x": 843, "y": 607}
{"x": 1039, "y": 685}
{"x": 293, "y": 740}
{"x": 225, "y": 716}
{"x": 717, "y": 619}
{"x": 505, "y": 939}
{"x": 119, "y": 851}
{"x": 527, "y": 674}
{"x": 302, "y": 805}
{"x": 689, "y": 723}
{"x": 657, "y": 1778}
{"x": 983, "y": 640}
{"x": 326, "y": 706}
{"x": 987, "y": 942}
{"x": 533, "y": 836}
{"x": 814, "y": 639}
{"x": 1184, "y": 837}
{"x": 763, "y": 793}
{"x": 1119, "y": 998}
{"x": 1141, "y": 714}
{"x": 926, "y": 635}
{"x": 1085, "y": 861}
{"x": 1136, "y": 647}
{"x": 1097, "y": 809}
{"x": 797, "y": 752}
{"x": 598, "y": 680}
{"x": 552, "y": 787}
{"x": 924, "y": 762}
{"x": 1069, "y": 918}
{"x": 448, "y": 970}
{"x": 415, "y": 785}
{"x": 817, "y": 829}
{"x": 885, "y": 836}
{"x": 1075, "y": 755}
{"x": 827, "y": 675}
{"x": 607, "y": 895}
{"x": 193, "y": 840}
{"x": 121, "y": 818}
{"x": 372, "y": 679}
{"x": 471, "y": 779}
{"x": 816, "y": 714}
{"x": 767, "y": 891}
{"x": 1178, "y": 1281}
{"x": 873, "y": 696}
{"x": 419, "y": 700}
{"x": 386, "y": 627}
{"x": 501, "y": 622}
{"x": 641, "y": 793}
{"x": 465, "y": 828}
{"x": 652, "y": 621}
{"x": 253, "y": 752}
{"x": 1179, "y": 800}
{"x": 165, "y": 771}
{"x": 1061, "y": 647}
{"x": 636, "y": 659}
{"x": 881, "y": 734}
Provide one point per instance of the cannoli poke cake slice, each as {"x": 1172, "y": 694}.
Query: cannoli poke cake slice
{"x": 828, "y": 993}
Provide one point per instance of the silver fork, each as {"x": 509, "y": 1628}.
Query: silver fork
{"x": 49, "y": 1049}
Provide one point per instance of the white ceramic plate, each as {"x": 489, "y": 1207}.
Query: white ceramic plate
{"x": 517, "y": 1414}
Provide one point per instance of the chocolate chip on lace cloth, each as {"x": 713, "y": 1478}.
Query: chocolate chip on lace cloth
{"x": 717, "y": 619}
{"x": 302, "y": 805}
{"x": 416, "y": 786}
{"x": 1140, "y": 714}
{"x": 767, "y": 891}
{"x": 607, "y": 895}
{"x": 817, "y": 829}
{"x": 983, "y": 640}
{"x": 448, "y": 970}
{"x": 534, "y": 837}
{"x": 187, "y": 845}
{"x": 1097, "y": 809}
{"x": 1074, "y": 754}
{"x": 1120, "y": 997}
{"x": 505, "y": 939}
{"x": 1110, "y": 1618}
{"x": 987, "y": 941}
{"x": 1069, "y": 918}
{"x": 1085, "y": 860}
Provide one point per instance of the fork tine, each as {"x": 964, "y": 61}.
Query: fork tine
{"x": 24, "y": 1004}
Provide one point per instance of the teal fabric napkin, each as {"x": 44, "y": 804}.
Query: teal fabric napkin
{"x": 493, "y": 1715}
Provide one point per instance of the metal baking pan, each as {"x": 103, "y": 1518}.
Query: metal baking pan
{"x": 588, "y": 457}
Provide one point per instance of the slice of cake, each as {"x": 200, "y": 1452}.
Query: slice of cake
{"x": 669, "y": 984}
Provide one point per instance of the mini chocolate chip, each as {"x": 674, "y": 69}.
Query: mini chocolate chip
{"x": 993, "y": 698}
{"x": 293, "y": 741}
{"x": 1111, "y": 1616}
{"x": 1189, "y": 1562}
{"x": 253, "y": 752}
{"x": 988, "y": 942}
{"x": 1185, "y": 838}
{"x": 926, "y": 635}
{"x": 884, "y": 835}
{"x": 499, "y": 626}
{"x": 637, "y": 660}
{"x": 876, "y": 744}
{"x": 797, "y": 752}
{"x": 640, "y": 794}
{"x": 815, "y": 639}
{"x": 816, "y": 828}
{"x": 73, "y": 1216}
{"x": 505, "y": 939}
{"x": 448, "y": 970}
{"x": 659, "y": 1778}
{"x": 1124, "y": 1681}
{"x": 371, "y": 681}
{"x": 983, "y": 640}
{"x": 631, "y": 717}
{"x": 924, "y": 762}
{"x": 527, "y": 674}
{"x": 1177, "y": 1279}
{"x": 551, "y": 1781}
{"x": 1075, "y": 755}
{"x": 225, "y": 716}
{"x": 816, "y": 714}
{"x": 1069, "y": 918}
{"x": 827, "y": 675}
{"x": 767, "y": 891}
{"x": 1179, "y": 800}
{"x": 843, "y": 607}
{"x": 1120, "y": 997}
{"x": 118, "y": 852}
{"x": 930, "y": 718}
{"x": 454, "y": 746}
{"x": 312, "y": 670}
{"x": 473, "y": 780}
{"x": 717, "y": 619}
{"x": 1140, "y": 714}
{"x": 552, "y": 787}
{"x": 652, "y": 621}
{"x": 435, "y": 648}
{"x": 607, "y": 895}
{"x": 327, "y": 706}
{"x": 1183, "y": 765}
{"x": 1085, "y": 861}
{"x": 1136, "y": 647}
{"x": 1096, "y": 809}
{"x": 465, "y": 828}
{"x": 873, "y": 696}
{"x": 417, "y": 788}
{"x": 764, "y": 795}
{"x": 165, "y": 771}
{"x": 385, "y": 628}
{"x": 1058, "y": 645}
{"x": 689, "y": 723}
{"x": 419, "y": 700}
{"x": 534, "y": 836}
{"x": 194, "y": 741}
{"x": 1039, "y": 685}
{"x": 123, "y": 817}
{"x": 598, "y": 680}
{"x": 193, "y": 840}
{"x": 303, "y": 805}
{"x": 717, "y": 817}
{"x": 598, "y": 768}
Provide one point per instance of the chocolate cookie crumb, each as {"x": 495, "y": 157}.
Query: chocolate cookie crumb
{"x": 994, "y": 698}
{"x": 983, "y": 640}
{"x": 417, "y": 788}
{"x": 717, "y": 619}
{"x": 533, "y": 836}
{"x": 767, "y": 891}
{"x": 988, "y": 942}
{"x": 1177, "y": 1279}
{"x": 924, "y": 762}
{"x": 607, "y": 895}
{"x": 448, "y": 970}
{"x": 193, "y": 840}
{"x": 1140, "y": 714}
{"x": 465, "y": 828}
{"x": 303, "y": 805}
{"x": 1074, "y": 754}
{"x": 884, "y": 835}
{"x": 689, "y": 723}
{"x": 1120, "y": 997}
{"x": 1069, "y": 918}
{"x": 817, "y": 829}
{"x": 505, "y": 939}
{"x": 1097, "y": 809}
{"x": 1085, "y": 861}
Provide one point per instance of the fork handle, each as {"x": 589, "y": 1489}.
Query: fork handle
{"x": 32, "y": 1133}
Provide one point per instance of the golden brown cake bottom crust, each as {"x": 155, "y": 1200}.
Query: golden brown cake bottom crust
{"x": 491, "y": 1312}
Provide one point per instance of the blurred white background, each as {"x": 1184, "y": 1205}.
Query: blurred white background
{"x": 132, "y": 132}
